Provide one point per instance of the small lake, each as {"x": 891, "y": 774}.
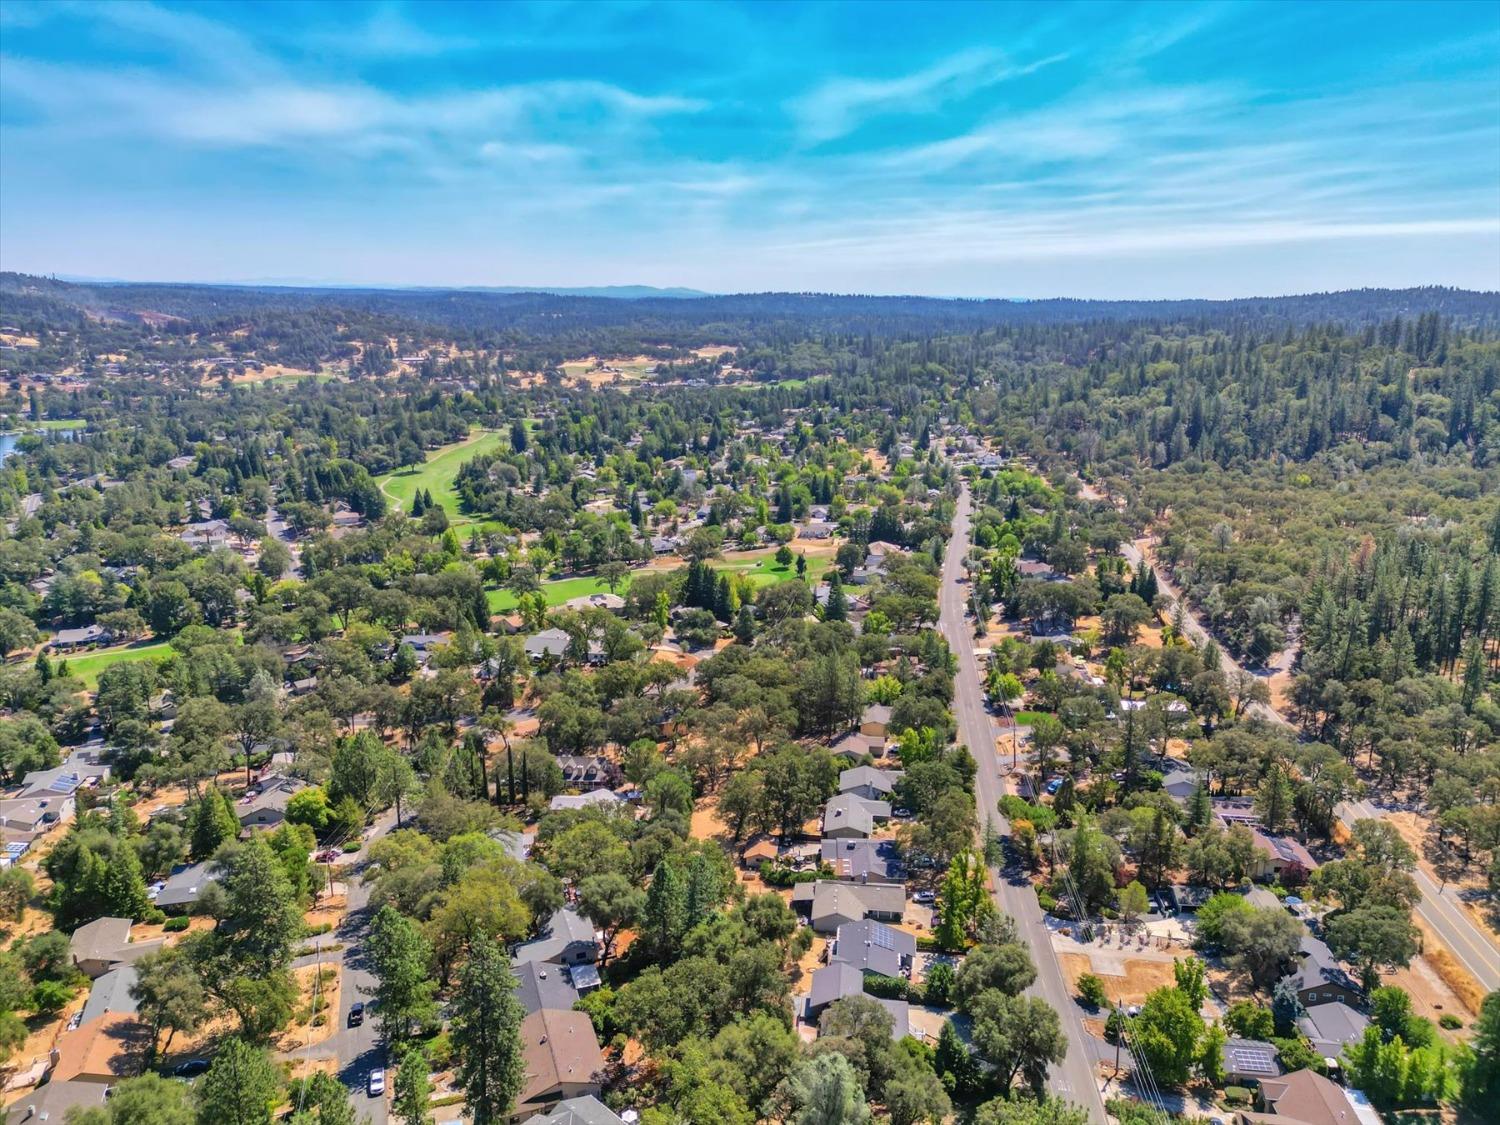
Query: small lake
{"x": 9, "y": 439}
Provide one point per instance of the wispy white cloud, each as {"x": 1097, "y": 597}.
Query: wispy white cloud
{"x": 838, "y": 106}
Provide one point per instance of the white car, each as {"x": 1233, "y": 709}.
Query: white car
{"x": 377, "y": 1082}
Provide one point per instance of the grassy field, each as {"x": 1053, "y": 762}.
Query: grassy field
{"x": 761, "y": 570}
{"x": 88, "y": 666}
{"x": 61, "y": 424}
{"x": 438, "y": 473}
{"x": 556, "y": 593}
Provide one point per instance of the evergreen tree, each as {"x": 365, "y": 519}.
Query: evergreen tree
{"x": 124, "y": 885}
{"x": 837, "y": 608}
{"x": 664, "y": 919}
{"x": 413, "y": 1089}
{"x": 240, "y": 1087}
{"x": 399, "y": 956}
{"x": 486, "y": 1034}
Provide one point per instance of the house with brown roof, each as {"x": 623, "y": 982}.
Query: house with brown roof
{"x": 1305, "y": 1097}
{"x": 103, "y": 1050}
{"x": 562, "y": 1060}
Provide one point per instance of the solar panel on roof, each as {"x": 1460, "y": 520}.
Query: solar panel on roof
{"x": 64, "y": 784}
{"x": 1252, "y": 1060}
{"x": 881, "y": 936}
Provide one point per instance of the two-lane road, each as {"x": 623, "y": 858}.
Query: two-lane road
{"x": 1074, "y": 1080}
{"x": 1469, "y": 943}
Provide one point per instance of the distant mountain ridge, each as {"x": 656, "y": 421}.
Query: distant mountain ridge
{"x": 555, "y": 312}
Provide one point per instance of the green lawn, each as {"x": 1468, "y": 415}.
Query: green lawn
{"x": 438, "y": 473}
{"x": 62, "y": 423}
{"x": 761, "y": 571}
{"x": 1027, "y": 718}
{"x": 556, "y": 593}
{"x": 88, "y": 666}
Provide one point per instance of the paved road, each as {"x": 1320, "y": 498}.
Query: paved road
{"x": 1075, "y": 1079}
{"x": 1465, "y": 938}
{"x": 1447, "y": 918}
{"x": 358, "y": 1050}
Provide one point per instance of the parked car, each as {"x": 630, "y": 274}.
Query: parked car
{"x": 191, "y": 1069}
{"x": 357, "y": 1014}
{"x": 327, "y": 855}
{"x": 377, "y": 1082}
{"x": 924, "y": 897}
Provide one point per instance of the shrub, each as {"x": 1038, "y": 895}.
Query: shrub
{"x": 153, "y": 917}
{"x": 1045, "y": 899}
{"x": 175, "y": 925}
{"x": 1091, "y": 991}
{"x": 937, "y": 986}
{"x": 1449, "y": 1022}
{"x": 774, "y": 875}
{"x": 888, "y": 988}
{"x": 352, "y": 846}
{"x": 50, "y": 996}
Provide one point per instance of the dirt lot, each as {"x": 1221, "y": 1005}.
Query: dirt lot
{"x": 1140, "y": 976}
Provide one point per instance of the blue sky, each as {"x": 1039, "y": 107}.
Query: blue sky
{"x": 1183, "y": 149}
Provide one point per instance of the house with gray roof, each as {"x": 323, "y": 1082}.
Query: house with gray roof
{"x": 875, "y": 948}
{"x": 267, "y": 808}
{"x": 606, "y": 797}
{"x": 567, "y": 938}
{"x": 1320, "y": 977}
{"x": 81, "y": 769}
{"x": 184, "y": 886}
{"x": 541, "y": 984}
{"x": 111, "y": 993}
{"x": 868, "y": 782}
{"x": 548, "y": 643}
{"x": 837, "y": 981}
{"x": 863, "y": 861}
{"x": 1180, "y": 783}
{"x": 848, "y": 815}
{"x": 1331, "y": 1026}
{"x": 52, "y": 1101}
{"x": 585, "y": 1110}
{"x": 829, "y": 904}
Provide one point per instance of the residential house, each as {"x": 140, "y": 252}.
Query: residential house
{"x": 1307, "y": 1097}
{"x": 606, "y": 797}
{"x": 81, "y": 769}
{"x": 863, "y": 861}
{"x": 184, "y": 886}
{"x": 29, "y": 817}
{"x": 847, "y": 815}
{"x": 592, "y": 770}
{"x": 69, "y": 639}
{"x": 104, "y": 1050}
{"x": 549, "y": 643}
{"x": 612, "y": 602}
{"x": 517, "y": 845}
{"x": 267, "y": 807}
{"x": 875, "y": 948}
{"x": 1249, "y": 1060}
{"x": 1320, "y": 978}
{"x": 111, "y": 993}
{"x": 815, "y": 529}
{"x": 541, "y": 984}
{"x": 561, "y": 1061}
{"x": 868, "y": 782}
{"x": 1181, "y": 783}
{"x": 51, "y": 1102}
{"x": 830, "y": 904}
{"x": 587, "y": 1110}
{"x": 1332, "y": 1026}
{"x": 838, "y": 980}
{"x": 567, "y": 938}
{"x": 875, "y": 721}
{"x": 856, "y": 747}
{"x": 104, "y": 944}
